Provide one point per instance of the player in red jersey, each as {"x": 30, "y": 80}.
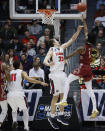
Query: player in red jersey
{"x": 4, "y": 75}
{"x": 84, "y": 71}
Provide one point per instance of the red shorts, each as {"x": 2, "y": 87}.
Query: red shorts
{"x": 83, "y": 71}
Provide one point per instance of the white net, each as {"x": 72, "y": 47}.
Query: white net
{"x": 47, "y": 16}
{"x": 46, "y": 19}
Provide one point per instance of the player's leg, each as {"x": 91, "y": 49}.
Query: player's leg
{"x": 4, "y": 109}
{"x": 69, "y": 79}
{"x": 60, "y": 118}
{"x": 23, "y": 106}
{"x": 13, "y": 104}
{"x": 53, "y": 109}
{"x": 25, "y": 119}
{"x": 54, "y": 83}
{"x": 92, "y": 96}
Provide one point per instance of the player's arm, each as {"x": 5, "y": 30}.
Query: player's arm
{"x": 6, "y": 71}
{"x": 85, "y": 26}
{"x": 74, "y": 37}
{"x": 48, "y": 57}
{"x": 77, "y": 51}
{"x": 25, "y": 76}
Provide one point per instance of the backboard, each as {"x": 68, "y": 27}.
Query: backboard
{"x": 20, "y": 10}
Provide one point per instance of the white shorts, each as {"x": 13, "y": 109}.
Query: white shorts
{"x": 17, "y": 102}
{"x": 3, "y": 105}
{"x": 57, "y": 82}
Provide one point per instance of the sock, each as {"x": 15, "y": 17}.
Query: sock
{"x": 61, "y": 113}
{"x": 25, "y": 119}
{"x": 91, "y": 93}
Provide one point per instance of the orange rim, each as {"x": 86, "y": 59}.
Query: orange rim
{"x": 48, "y": 12}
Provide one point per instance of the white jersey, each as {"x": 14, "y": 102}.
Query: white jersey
{"x": 16, "y": 84}
{"x": 58, "y": 59}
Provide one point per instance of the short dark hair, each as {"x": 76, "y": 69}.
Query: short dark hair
{"x": 91, "y": 38}
{"x": 51, "y": 41}
{"x": 16, "y": 64}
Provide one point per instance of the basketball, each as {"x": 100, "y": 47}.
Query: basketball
{"x": 81, "y": 7}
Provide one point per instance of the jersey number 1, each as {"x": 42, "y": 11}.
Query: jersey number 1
{"x": 13, "y": 77}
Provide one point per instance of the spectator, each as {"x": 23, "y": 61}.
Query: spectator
{"x": 98, "y": 26}
{"x": 21, "y": 29}
{"x": 30, "y": 51}
{"x": 95, "y": 58}
{"x": 50, "y": 27}
{"x": 99, "y": 2}
{"x": 5, "y": 32}
{"x": 12, "y": 56}
{"x": 28, "y": 37}
{"x": 100, "y": 49}
{"x": 36, "y": 71}
{"x": 101, "y": 19}
{"x": 27, "y": 65}
{"x": 42, "y": 38}
{"x": 37, "y": 60}
{"x": 41, "y": 54}
{"x": 42, "y": 45}
{"x": 100, "y": 37}
{"x": 100, "y": 83}
{"x": 100, "y": 12}
{"x": 35, "y": 28}
{"x": 16, "y": 45}
{"x": 11, "y": 27}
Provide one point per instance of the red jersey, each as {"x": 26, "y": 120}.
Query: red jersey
{"x": 84, "y": 69}
{"x": 2, "y": 92}
{"x": 85, "y": 58}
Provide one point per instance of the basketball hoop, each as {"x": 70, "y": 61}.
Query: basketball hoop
{"x": 47, "y": 16}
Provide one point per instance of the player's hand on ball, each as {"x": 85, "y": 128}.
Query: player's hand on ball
{"x": 51, "y": 63}
{"x": 44, "y": 84}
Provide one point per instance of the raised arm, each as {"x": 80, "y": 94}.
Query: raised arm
{"x": 85, "y": 26}
{"x": 47, "y": 58}
{"x": 74, "y": 37}
{"x": 5, "y": 69}
{"x": 25, "y": 76}
{"x": 77, "y": 51}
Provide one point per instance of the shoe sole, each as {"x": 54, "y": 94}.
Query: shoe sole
{"x": 62, "y": 122}
{"x": 61, "y": 104}
{"x": 52, "y": 125}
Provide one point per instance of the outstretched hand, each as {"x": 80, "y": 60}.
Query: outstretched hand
{"x": 80, "y": 27}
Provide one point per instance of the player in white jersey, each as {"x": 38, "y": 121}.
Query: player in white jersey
{"x": 16, "y": 97}
{"x": 57, "y": 76}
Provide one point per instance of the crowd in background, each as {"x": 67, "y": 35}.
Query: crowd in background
{"x": 29, "y": 43}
